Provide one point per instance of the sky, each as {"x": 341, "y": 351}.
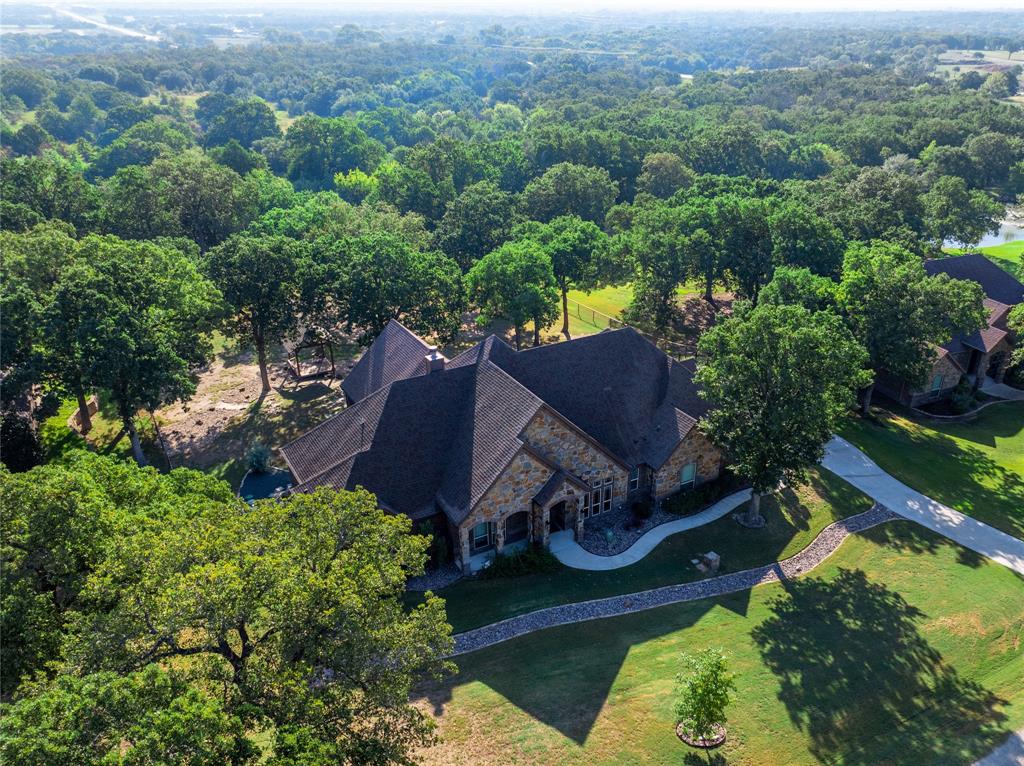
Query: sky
{"x": 511, "y": 7}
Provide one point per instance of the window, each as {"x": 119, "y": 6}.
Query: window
{"x": 634, "y": 479}
{"x": 516, "y": 527}
{"x": 599, "y": 499}
{"x": 482, "y": 536}
{"x": 937, "y": 383}
{"x": 688, "y": 476}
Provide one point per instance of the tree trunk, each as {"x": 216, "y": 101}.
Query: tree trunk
{"x": 133, "y": 435}
{"x": 261, "y": 353}
{"x": 84, "y": 418}
{"x": 519, "y": 338}
{"x": 753, "y": 517}
{"x": 709, "y": 285}
{"x": 565, "y": 313}
{"x": 536, "y": 332}
{"x": 866, "y": 401}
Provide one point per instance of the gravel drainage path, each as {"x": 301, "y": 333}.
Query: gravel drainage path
{"x": 827, "y": 541}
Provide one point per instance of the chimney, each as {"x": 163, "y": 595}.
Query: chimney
{"x": 433, "y": 361}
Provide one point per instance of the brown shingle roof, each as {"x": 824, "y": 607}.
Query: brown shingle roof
{"x": 997, "y": 284}
{"x": 441, "y": 439}
{"x": 396, "y": 354}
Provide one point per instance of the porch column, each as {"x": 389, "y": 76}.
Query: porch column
{"x": 578, "y": 517}
{"x": 499, "y": 535}
{"x": 545, "y": 527}
{"x": 464, "y": 548}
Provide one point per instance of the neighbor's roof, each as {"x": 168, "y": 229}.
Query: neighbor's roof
{"x": 995, "y": 282}
{"x": 397, "y": 353}
{"x": 443, "y": 438}
{"x": 985, "y": 339}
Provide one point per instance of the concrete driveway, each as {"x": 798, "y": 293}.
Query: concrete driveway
{"x": 848, "y": 462}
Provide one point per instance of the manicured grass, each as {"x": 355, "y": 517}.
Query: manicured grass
{"x": 794, "y": 519}
{"x": 900, "y": 649}
{"x": 607, "y": 300}
{"x": 977, "y": 468}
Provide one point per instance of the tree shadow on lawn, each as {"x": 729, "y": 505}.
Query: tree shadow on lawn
{"x": 949, "y": 471}
{"x": 562, "y": 676}
{"x": 865, "y": 685}
{"x": 913, "y": 538}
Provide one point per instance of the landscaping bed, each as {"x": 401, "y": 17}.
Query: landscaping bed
{"x": 612, "y": 533}
{"x": 795, "y": 517}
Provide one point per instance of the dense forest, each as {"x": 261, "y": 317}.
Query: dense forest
{"x": 336, "y": 173}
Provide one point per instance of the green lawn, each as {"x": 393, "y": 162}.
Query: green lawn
{"x": 885, "y": 654}
{"x": 107, "y": 435}
{"x": 793, "y": 521}
{"x": 607, "y": 300}
{"x": 977, "y": 468}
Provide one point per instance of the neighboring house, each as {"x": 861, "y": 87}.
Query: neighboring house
{"x": 500, "y": 447}
{"x": 981, "y": 354}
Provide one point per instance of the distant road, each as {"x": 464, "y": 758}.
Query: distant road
{"x": 109, "y": 27}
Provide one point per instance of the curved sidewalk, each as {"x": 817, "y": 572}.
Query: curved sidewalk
{"x": 572, "y": 554}
{"x": 849, "y": 463}
{"x": 827, "y": 541}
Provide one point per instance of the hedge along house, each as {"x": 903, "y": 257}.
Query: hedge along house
{"x": 971, "y": 357}
{"x": 502, "y": 448}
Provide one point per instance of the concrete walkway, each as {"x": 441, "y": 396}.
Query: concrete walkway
{"x": 1002, "y": 391}
{"x": 849, "y": 463}
{"x": 1010, "y": 753}
{"x": 823, "y": 546}
{"x": 572, "y": 554}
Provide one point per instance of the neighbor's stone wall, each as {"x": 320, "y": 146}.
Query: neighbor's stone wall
{"x": 951, "y": 375}
{"x": 514, "y": 490}
{"x": 558, "y": 443}
{"x": 695, "y": 447}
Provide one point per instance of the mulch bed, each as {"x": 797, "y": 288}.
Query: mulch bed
{"x": 716, "y": 739}
{"x": 596, "y": 541}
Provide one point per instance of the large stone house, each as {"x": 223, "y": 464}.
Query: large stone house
{"x": 981, "y": 354}
{"x": 501, "y": 448}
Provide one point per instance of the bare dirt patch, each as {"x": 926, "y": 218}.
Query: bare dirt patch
{"x": 227, "y": 416}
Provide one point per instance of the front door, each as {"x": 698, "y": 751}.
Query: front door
{"x": 557, "y": 516}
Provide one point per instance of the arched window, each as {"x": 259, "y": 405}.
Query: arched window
{"x": 517, "y": 527}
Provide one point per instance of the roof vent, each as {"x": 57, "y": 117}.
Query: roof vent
{"x": 433, "y": 361}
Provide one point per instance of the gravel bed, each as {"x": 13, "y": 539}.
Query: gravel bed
{"x": 594, "y": 539}
{"x": 827, "y": 541}
{"x": 439, "y": 578}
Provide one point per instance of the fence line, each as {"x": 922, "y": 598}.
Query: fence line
{"x": 599, "y": 319}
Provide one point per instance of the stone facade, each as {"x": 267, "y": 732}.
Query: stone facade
{"x": 951, "y": 374}
{"x": 696, "y": 447}
{"x": 574, "y": 453}
{"x": 552, "y": 444}
{"x": 512, "y": 492}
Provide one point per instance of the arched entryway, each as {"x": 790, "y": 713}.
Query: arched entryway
{"x": 557, "y": 516}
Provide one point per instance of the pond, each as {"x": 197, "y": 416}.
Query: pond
{"x": 257, "y": 486}
{"x": 1008, "y": 232}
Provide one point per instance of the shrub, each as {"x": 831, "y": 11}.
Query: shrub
{"x": 690, "y": 501}
{"x": 642, "y": 509}
{"x": 964, "y": 398}
{"x": 259, "y": 458}
{"x": 530, "y": 560}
